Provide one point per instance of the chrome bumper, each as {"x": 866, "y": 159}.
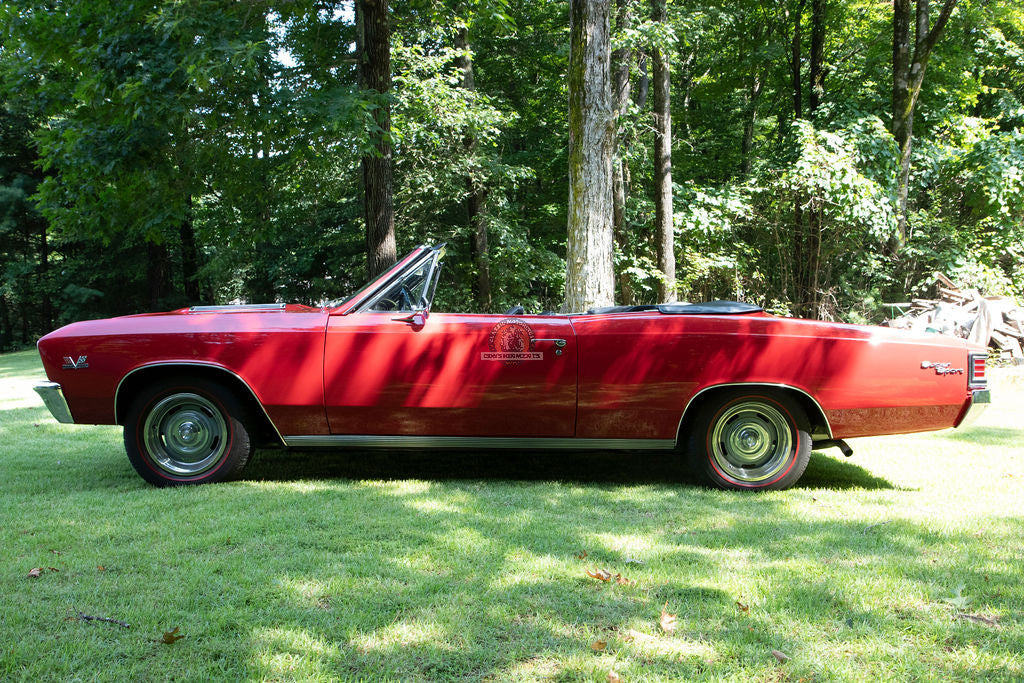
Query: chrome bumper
{"x": 980, "y": 399}
{"x": 53, "y": 398}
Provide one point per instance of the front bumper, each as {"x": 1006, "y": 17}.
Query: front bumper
{"x": 53, "y": 398}
{"x": 980, "y": 400}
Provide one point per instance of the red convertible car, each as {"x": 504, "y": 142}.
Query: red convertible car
{"x": 743, "y": 395}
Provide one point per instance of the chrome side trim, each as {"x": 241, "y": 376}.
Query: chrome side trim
{"x": 202, "y": 364}
{"x": 980, "y": 400}
{"x": 227, "y": 308}
{"x": 555, "y": 443}
{"x": 753, "y": 384}
{"x": 53, "y": 399}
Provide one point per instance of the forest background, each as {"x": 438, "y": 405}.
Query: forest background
{"x": 161, "y": 153}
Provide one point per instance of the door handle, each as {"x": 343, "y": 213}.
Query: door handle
{"x": 559, "y": 344}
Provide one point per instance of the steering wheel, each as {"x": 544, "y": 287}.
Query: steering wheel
{"x": 406, "y": 299}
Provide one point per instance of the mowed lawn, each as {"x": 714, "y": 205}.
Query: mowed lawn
{"x": 904, "y": 562}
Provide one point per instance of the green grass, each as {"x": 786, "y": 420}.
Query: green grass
{"x": 448, "y": 566}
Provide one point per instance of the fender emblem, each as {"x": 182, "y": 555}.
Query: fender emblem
{"x": 941, "y": 368}
{"x": 79, "y": 364}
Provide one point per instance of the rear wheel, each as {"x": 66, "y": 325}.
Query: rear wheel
{"x": 750, "y": 440}
{"x": 188, "y": 431}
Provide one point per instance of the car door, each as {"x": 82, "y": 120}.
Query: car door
{"x": 450, "y": 374}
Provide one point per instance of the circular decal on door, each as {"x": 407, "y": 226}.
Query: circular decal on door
{"x": 511, "y": 342}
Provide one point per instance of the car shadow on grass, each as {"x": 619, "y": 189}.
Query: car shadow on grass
{"x": 604, "y": 467}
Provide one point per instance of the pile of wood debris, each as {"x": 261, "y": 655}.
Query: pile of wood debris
{"x": 993, "y": 321}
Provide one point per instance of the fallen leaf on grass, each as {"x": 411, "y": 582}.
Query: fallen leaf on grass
{"x": 36, "y": 572}
{"x": 614, "y": 677}
{"x": 599, "y": 645}
{"x": 743, "y": 608}
{"x": 781, "y": 656}
{"x": 171, "y": 637}
{"x": 667, "y": 621}
{"x": 600, "y": 574}
{"x": 979, "y": 619}
{"x": 623, "y": 581}
{"x": 101, "y": 568}
{"x": 581, "y": 555}
{"x": 958, "y": 599}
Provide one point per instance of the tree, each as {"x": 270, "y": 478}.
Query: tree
{"x": 908, "y": 70}
{"x": 476, "y": 193}
{"x": 663, "y": 164}
{"x": 374, "y": 36}
{"x": 590, "y": 279}
{"x": 621, "y": 90}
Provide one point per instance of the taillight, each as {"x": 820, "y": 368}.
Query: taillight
{"x": 977, "y": 363}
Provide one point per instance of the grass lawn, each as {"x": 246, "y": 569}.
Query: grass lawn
{"x": 904, "y": 562}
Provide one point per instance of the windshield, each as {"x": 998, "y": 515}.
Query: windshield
{"x": 408, "y": 293}
{"x": 409, "y": 284}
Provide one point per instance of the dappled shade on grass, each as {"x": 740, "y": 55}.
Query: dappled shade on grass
{"x": 459, "y": 565}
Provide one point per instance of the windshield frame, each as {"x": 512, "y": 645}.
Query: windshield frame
{"x": 357, "y": 302}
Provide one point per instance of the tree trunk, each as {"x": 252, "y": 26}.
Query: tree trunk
{"x": 753, "y": 97}
{"x": 621, "y": 91}
{"x": 6, "y": 333}
{"x": 817, "y": 73}
{"x": 794, "y": 62}
{"x": 590, "y": 279}
{"x": 663, "y": 165}
{"x": 157, "y": 259}
{"x": 189, "y": 256}
{"x": 643, "y": 81}
{"x": 374, "y": 36}
{"x": 907, "y": 78}
{"x": 44, "y": 276}
{"x": 476, "y": 194}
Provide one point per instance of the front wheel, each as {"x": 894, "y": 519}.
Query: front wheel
{"x": 187, "y": 432}
{"x": 747, "y": 441}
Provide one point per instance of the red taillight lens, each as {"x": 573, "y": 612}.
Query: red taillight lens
{"x": 977, "y": 362}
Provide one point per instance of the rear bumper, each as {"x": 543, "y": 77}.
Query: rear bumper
{"x": 53, "y": 398}
{"x": 979, "y": 401}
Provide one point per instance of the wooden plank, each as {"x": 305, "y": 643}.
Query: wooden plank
{"x": 1005, "y": 329}
{"x": 946, "y": 281}
{"x": 955, "y": 295}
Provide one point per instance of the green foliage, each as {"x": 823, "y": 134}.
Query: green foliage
{"x": 133, "y": 130}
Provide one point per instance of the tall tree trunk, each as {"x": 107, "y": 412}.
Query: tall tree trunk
{"x": 44, "y": 276}
{"x": 809, "y": 265}
{"x": 907, "y": 78}
{"x": 6, "y": 333}
{"x": 795, "y": 57}
{"x": 621, "y": 91}
{"x": 643, "y": 81}
{"x": 157, "y": 275}
{"x": 663, "y": 165}
{"x": 753, "y": 98}
{"x": 374, "y": 38}
{"x": 590, "y": 279}
{"x": 476, "y": 194}
{"x": 189, "y": 256}
{"x": 817, "y": 72}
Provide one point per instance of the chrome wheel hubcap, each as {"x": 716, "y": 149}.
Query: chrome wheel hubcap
{"x": 185, "y": 434}
{"x": 751, "y": 441}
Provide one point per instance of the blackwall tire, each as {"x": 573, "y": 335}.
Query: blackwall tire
{"x": 749, "y": 440}
{"x": 187, "y": 431}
